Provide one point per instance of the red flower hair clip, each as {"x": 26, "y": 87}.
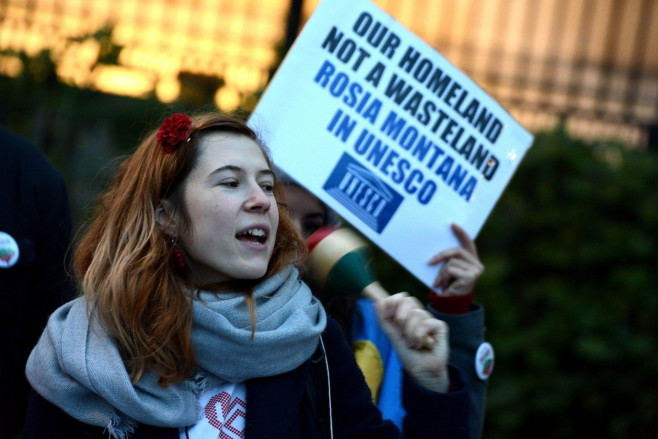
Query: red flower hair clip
{"x": 173, "y": 131}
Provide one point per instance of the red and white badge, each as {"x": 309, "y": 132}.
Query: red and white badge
{"x": 484, "y": 360}
{"x": 8, "y": 250}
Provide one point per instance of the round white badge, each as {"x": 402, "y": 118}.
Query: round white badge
{"x": 484, "y": 360}
{"x": 8, "y": 250}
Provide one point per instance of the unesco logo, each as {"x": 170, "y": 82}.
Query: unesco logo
{"x": 362, "y": 193}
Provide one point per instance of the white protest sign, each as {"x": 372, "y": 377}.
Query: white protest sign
{"x": 387, "y": 132}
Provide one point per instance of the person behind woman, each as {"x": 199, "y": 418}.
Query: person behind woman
{"x": 194, "y": 322}
{"x": 356, "y": 315}
{"x": 35, "y": 233}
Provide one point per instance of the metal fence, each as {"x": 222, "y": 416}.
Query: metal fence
{"x": 592, "y": 62}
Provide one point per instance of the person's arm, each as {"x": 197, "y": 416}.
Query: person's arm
{"x": 436, "y": 415}
{"x": 444, "y": 416}
{"x": 421, "y": 344}
{"x": 457, "y": 279}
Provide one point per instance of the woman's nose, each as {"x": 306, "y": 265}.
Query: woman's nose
{"x": 259, "y": 200}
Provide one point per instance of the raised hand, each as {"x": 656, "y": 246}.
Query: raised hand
{"x": 410, "y": 326}
{"x": 462, "y": 267}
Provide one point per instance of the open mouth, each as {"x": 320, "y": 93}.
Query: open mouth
{"x": 255, "y": 235}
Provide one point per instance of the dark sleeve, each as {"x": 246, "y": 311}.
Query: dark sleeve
{"x": 466, "y": 335}
{"x": 436, "y": 415}
{"x": 53, "y": 285}
{"x": 46, "y": 420}
{"x": 355, "y": 415}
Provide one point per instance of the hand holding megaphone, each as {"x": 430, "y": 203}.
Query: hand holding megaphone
{"x": 340, "y": 262}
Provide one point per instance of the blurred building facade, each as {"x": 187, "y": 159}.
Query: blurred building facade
{"x": 593, "y": 62}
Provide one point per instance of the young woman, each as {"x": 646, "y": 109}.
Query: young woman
{"x": 194, "y": 323}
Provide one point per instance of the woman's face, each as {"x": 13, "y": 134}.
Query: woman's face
{"x": 233, "y": 214}
{"x": 306, "y": 210}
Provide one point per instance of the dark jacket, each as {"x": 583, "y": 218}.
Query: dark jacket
{"x": 35, "y": 212}
{"x": 277, "y": 407}
{"x": 466, "y": 334}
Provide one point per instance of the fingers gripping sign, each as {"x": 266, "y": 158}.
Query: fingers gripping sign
{"x": 462, "y": 267}
{"x": 409, "y": 325}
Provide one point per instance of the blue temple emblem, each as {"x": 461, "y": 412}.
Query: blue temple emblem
{"x": 362, "y": 193}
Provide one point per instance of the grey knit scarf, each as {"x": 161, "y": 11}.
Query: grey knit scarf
{"x": 77, "y": 367}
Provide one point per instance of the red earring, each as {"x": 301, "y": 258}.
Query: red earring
{"x": 176, "y": 257}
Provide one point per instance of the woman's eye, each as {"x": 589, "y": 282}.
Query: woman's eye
{"x": 310, "y": 227}
{"x": 267, "y": 187}
{"x": 230, "y": 183}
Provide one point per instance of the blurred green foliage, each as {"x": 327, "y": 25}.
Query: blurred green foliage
{"x": 571, "y": 257}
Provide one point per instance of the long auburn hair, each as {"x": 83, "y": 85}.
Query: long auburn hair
{"x": 122, "y": 260}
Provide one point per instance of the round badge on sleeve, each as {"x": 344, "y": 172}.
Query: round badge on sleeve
{"x": 8, "y": 250}
{"x": 484, "y": 360}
